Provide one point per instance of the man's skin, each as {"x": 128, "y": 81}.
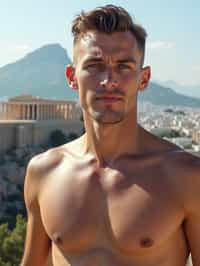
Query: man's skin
{"x": 117, "y": 196}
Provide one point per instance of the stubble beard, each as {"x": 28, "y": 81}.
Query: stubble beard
{"x": 107, "y": 116}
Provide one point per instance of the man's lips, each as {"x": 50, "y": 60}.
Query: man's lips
{"x": 109, "y": 98}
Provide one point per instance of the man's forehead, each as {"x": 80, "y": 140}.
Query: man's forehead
{"x": 94, "y": 38}
{"x": 98, "y": 45}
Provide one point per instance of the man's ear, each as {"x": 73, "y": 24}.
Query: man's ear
{"x": 145, "y": 77}
{"x": 70, "y": 76}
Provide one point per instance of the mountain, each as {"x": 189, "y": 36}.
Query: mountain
{"x": 160, "y": 95}
{"x": 41, "y": 73}
{"x": 189, "y": 90}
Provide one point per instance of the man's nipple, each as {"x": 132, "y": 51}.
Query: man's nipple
{"x": 146, "y": 242}
{"x": 57, "y": 239}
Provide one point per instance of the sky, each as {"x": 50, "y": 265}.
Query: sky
{"x": 173, "y": 27}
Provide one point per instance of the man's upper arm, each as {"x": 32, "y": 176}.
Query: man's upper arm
{"x": 37, "y": 244}
{"x": 192, "y": 221}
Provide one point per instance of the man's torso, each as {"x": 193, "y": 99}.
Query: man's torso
{"x": 129, "y": 213}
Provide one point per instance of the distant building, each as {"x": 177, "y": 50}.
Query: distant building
{"x": 27, "y": 107}
{"x": 196, "y": 135}
{"x": 27, "y": 120}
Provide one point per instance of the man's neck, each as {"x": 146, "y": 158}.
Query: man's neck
{"x": 109, "y": 142}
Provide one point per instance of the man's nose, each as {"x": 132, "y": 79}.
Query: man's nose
{"x": 109, "y": 80}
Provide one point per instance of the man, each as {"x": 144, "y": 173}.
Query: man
{"x": 116, "y": 196}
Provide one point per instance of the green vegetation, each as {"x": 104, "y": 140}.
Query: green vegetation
{"x": 12, "y": 242}
{"x": 57, "y": 138}
{"x": 167, "y": 133}
{"x": 178, "y": 112}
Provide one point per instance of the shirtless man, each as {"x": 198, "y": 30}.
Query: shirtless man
{"x": 116, "y": 196}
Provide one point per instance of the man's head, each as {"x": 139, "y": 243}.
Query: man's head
{"x": 108, "y": 63}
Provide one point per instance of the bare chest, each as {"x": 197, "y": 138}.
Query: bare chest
{"x": 129, "y": 210}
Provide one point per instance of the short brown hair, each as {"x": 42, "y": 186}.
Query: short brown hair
{"x": 108, "y": 19}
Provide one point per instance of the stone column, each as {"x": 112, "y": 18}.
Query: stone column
{"x": 38, "y": 111}
{"x": 64, "y": 115}
{"x": 31, "y": 111}
{"x": 51, "y": 111}
{"x": 19, "y": 111}
{"x": 66, "y": 107}
{"x": 54, "y": 111}
{"x": 11, "y": 111}
{"x": 63, "y": 111}
{"x": 14, "y": 111}
{"x": 4, "y": 110}
{"x": 23, "y": 111}
{"x": 45, "y": 111}
{"x": 48, "y": 111}
{"x": 72, "y": 110}
{"x": 1, "y": 112}
{"x": 8, "y": 111}
{"x": 28, "y": 111}
{"x": 59, "y": 110}
{"x": 41, "y": 111}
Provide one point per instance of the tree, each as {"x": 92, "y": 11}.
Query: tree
{"x": 57, "y": 138}
{"x": 71, "y": 136}
{"x": 12, "y": 242}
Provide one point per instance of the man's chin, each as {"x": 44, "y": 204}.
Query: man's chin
{"x": 106, "y": 120}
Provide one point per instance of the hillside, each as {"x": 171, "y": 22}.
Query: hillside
{"x": 40, "y": 73}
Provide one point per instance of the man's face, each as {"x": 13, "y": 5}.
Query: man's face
{"x": 107, "y": 72}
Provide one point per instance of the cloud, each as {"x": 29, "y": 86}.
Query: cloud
{"x": 160, "y": 45}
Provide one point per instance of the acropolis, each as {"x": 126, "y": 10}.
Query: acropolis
{"x": 28, "y": 120}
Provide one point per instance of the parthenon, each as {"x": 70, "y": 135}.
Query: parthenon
{"x": 27, "y": 107}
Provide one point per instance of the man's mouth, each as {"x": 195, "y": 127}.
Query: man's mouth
{"x": 109, "y": 98}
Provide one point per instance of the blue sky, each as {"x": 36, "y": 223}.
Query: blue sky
{"x": 173, "y": 27}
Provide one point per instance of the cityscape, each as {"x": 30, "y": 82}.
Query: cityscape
{"x": 179, "y": 125}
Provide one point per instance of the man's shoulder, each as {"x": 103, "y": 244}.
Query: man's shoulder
{"x": 45, "y": 161}
{"x": 184, "y": 170}
{"x": 184, "y": 161}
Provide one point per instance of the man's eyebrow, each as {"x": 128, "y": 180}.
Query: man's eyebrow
{"x": 100, "y": 59}
{"x": 93, "y": 59}
{"x": 127, "y": 60}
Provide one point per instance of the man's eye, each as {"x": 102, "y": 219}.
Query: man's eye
{"x": 95, "y": 66}
{"x": 123, "y": 66}
{"x": 92, "y": 65}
